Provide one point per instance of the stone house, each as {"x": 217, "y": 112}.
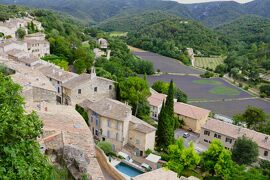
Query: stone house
{"x": 37, "y": 45}
{"x": 112, "y": 121}
{"x": 36, "y": 87}
{"x": 67, "y": 136}
{"x": 87, "y": 86}
{"x": 57, "y": 77}
{"x": 12, "y": 44}
{"x": 194, "y": 117}
{"x": 155, "y": 101}
{"x": 228, "y": 133}
{"x": 103, "y": 43}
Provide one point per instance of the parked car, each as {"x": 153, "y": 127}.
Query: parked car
{"x": 125, "y": 156}
{"x": 146, "y": 167}
{"x": 185, "y": 135}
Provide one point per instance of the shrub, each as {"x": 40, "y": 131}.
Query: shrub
{"x": 265, "y": 89}
{"x": 207, "y": 74}
{"x": 148, "y": 151}
{"x": 240, "y": 84}
{"x": 106, "y": 147}
{"x": 246, "y": 88}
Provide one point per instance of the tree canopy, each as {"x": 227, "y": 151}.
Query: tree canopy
{"x": 21, "y": 157}
{"x": 245, "y": 151}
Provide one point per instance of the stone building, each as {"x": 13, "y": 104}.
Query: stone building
{"x": 67, "y": 136}
{"x": 155, "y": 101}
{"x": 57, "y": 77}
{"x": 12, "y": 44}
{"x": 103, "y": 43}
{"x": 37, "y": 45}
{"x": 111, "y": 120}
{"x": 228, "y": 133}
{"x": 194, "y": 117}
{"x": 36, "y": 87}
{"x": 87, "y": 86}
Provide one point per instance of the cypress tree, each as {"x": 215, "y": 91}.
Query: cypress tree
{"x": 170, "y": 100}
{"x": 165, "y": 130}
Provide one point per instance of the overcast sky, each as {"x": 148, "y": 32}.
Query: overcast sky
{"x": 199, "y": 1}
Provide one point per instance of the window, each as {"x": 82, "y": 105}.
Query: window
{"x": 137, "y": 141}
{"x": 79, "y": 91}
{"x": 265, "y": 153}
{"x": 117, "y": 125}
{"x": 110, "y": 87}
{"x": 205, "y": 140}
{"x": 58, "y": 89}
{"x": 96, "y": 121}
{"x": 108, "y": 134}
{"x": 58, "y": 82}
{"x": 96, "y": 132}
{"x": 95, "y": 89}
{"x": 108, "y": 123}
{"x": 229, "y": 140}
{"x": 116, "y": 136}
{"x": 217, "y": 136}
{"x": 206, "y": 132}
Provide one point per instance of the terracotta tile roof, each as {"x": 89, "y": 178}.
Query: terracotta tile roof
{"x": 56, "y": 73}
{"x": 230, "y": 130}
{"x": 141, "y": 126}
{"x": 190, "y": 111}
{"x": 108, "y": 108}
{"x": 158, "y": 174}
{"x": 156, "y": 99}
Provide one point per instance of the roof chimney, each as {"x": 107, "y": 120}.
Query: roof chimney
{"x": 109, "y": 106}
{"x": 60, "y": 73}
{"x": 266, "y": 138}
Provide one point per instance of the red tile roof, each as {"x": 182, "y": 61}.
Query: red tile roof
{"x": 190, "y": 111}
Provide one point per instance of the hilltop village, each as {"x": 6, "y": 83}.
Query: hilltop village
{"x": 55, "y": 94}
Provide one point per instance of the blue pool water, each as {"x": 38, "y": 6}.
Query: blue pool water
{"x": 128, "y": 170}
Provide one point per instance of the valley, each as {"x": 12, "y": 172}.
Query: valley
{"x": 214, "y": 94}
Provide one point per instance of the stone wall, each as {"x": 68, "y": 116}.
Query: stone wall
{"x": 103, "y": 162}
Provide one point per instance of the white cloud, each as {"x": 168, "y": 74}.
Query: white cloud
{"x": 199, "y": 1}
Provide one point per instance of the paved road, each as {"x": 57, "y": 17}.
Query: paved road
{"x": 178, "y": 133}
{"x": 166, "y": 64}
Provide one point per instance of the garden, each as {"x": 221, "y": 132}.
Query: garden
{"x": 208, "y": 62}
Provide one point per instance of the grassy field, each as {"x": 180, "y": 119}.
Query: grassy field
{"x": 118, "y": 34}
{"x": 210, "y": 62}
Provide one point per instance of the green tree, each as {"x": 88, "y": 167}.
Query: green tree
{"x": 170, "y": 100}
{"x": 181, "y": 158}
{"x": 134, "y": 90}
{"x": 217, "y": 160}
{"x": 20, "y": 153}
{"x": 253, "y": 117}
{"x": 265, "y": 89}
{"x": 165, "y": 130}
{"x": 20, "y": 33}
{"x": 106, "y": 147}
{"x": 80, "y": 66}
{"x": 245, "y": 151}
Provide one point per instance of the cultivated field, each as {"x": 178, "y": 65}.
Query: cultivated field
{"x": 166, "y": 64}
{"x": 210, "y": 62}
{"x": 118, "y": 34}
{"x": 230, "y": 108}
{"x": 199, "y": 89}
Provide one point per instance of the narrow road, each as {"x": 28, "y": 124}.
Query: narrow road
{"x": 223, "y": 100}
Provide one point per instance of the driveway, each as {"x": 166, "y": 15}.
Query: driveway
{"x": 178, "y": 133}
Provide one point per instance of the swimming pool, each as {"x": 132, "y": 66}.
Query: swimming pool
{"x": 128, "y": 170}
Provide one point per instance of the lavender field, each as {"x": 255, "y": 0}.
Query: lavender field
{"x": 200, "y": 91}
{"x": 230, "y": 108}
{"x": 166, "y": 64}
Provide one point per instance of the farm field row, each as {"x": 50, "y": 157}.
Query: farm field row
{"x": 208, "y": 62}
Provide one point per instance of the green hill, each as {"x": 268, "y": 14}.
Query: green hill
{"x": 249, "y": 29}
{"x": 169, "y": 36}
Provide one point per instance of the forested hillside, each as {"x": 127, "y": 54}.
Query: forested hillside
{"x": 169, "y": 37}
{"x": 211, "y": 14}
{"x": 135, "y": 21}
{"x": 249, "y": 29}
